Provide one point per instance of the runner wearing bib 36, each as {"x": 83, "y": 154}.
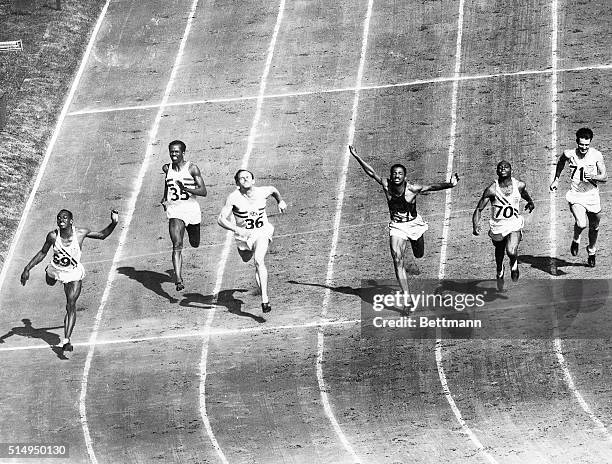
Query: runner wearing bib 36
{"x": 587, "y": 170}
{"x": 506, "y": 223}
{"x": 251, "y": 228}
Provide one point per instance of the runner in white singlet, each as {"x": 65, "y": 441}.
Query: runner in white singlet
{"x": 67, "y": 242}
{"x": 587, "y": 171}
{"x": 252, "y": 230}
{"x": 183, "y": 182}
{"x": 506, "y": 223}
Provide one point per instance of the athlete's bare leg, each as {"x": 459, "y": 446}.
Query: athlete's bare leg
{"x": 500, "y": 249}
{"x": 176, "y": 228}
{"x": 512, "y": 242}
{"x": 246, "y": 255}
{"x": 260, "y": 248}
{"x": 50, "y": 280}
{"x": 594, "y": 219}
{"x": 72, "y": 291}
{"x": 418, "y": 247}
{"x": 193, "y": 232}
{"x": 580, "y": 216}
{"x": 398, "y": 246}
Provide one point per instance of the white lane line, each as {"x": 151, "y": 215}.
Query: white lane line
{"x": 558, "y": 342}
{"x": 334, "y": 243}
{"x": 435, "y": 80}
{"x": 200, "y": 333}
{"x": 445, "y": 230}
{"x": 229, "y": 236}
{"x": 51, "y": 145}
{"x": 131, "y": 206}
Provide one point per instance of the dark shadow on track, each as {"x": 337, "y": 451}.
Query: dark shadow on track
{"x": 29, "y": 331}
{"x": 225, "y": 298}
{"x": 365, "y": 293}
{"x": 547, "y": 264}
{"x": 150, "y": 280}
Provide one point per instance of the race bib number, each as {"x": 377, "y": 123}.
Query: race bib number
{"x": 174, "y": 194}
{"x": 504, "y": 211}
{"x": 62, "y": 261}
{"x": 253, "y": 223}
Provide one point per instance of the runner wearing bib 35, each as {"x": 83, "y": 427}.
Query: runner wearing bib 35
{"x": 182, "y": 183}
{"x": 250, "y": 225}
{"x": 506, "y": 223}
{"x": 587, "y": 170}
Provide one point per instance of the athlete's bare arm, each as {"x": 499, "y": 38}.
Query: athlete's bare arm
{"x": 165, "y": 168}
{"x": 282, "y": 206}
{"x": 102, "y": 234}
{"x": 525, "y": 196}
{"x": 601, "y": 176}
{"x": 200, "y": 189}
{"x": 417, "y": 188}
{"x": 488, "y": 193}
{"x": 224, "y": 217}
{"x": 38, "y": 257}
{"x": 366, "y": 167}
{"x": 558, "y": 170}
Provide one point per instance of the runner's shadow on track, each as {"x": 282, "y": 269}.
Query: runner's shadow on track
{"x": 150, "y": 280}
{"x": 225, "y": 298}
{"x": 365, "y": 293}
{"x": 29, "y": 331}
{"x": 548, "y": 265}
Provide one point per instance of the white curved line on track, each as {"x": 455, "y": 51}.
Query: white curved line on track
{"x": 199, "y": 333}
{"x": 229, "y": 236}
{"x": 435, "y": 80}
{"x": 557, "y": 341}
{"x": 131, "y": 206}
{"x": 334, "y": 243}
{"x": 445, "y": 230}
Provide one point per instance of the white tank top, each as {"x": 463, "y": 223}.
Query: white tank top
{"x": 505, "y": 207}
{"x": 578, "y": 166}
{"x": 250, "y": 213}
{"x": 175, "y": 195}
{"x": 66, "y": 257}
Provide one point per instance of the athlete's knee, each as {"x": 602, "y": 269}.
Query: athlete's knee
{"x": 177, "y": 245}
{"x": 259, "y": 261}
{"x": 194, "y": 241}
{"x": 581, "y": 224}
{"x": 50, "y": 280}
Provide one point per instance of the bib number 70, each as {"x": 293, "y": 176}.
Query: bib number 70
{"x": 253, "y": 223}
{"x": 504, "y": 211}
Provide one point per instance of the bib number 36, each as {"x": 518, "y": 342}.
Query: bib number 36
{"x": 254, "y": 223}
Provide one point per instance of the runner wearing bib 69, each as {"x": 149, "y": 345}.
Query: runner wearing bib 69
{"x": 506, "y": 223}
{"x": 252, "y": 230}
{"x": 587, "y": 170}
{"x": 67, "y": 241}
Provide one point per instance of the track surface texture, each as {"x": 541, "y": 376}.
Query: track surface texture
{"x": 283, "y": 87}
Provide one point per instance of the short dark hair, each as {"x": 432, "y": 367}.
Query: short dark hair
{"x": 584, "y": 133}
{"x": 179, "y": 143}
{"x": 238, "y": 174}
{"x": 65, "y": 211}
{"x": 504, "y": 162}
{"x": 397, "y": 165}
